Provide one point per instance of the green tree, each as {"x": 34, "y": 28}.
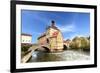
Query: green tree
{"x": 80, "y": 43}
{"x": 25, "y": 48}
{"x": 76, "y": 43}
{"x": 85, "y": 43}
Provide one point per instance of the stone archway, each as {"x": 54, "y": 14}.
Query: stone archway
{"x": 36, "y": 49}
{"x": 43, "y": 49}
{"x": 46, "y": 49}
{"x": 65, "y": 47}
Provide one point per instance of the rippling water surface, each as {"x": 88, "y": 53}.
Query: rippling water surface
{"x": 67, "y": 55}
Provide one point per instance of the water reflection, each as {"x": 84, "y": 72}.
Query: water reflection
{"x": 59, "y": 56}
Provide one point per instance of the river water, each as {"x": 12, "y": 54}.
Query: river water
{"x": 67, "y": 55}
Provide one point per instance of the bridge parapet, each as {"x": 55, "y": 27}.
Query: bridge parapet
{"x": 39, "y": 47}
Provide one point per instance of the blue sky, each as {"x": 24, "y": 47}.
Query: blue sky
{"x": 71, "y": 24}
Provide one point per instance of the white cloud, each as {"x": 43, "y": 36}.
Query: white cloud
{"x": 67, "y": 28}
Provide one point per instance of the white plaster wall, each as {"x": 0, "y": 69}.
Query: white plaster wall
{"x": 26, "y": 39}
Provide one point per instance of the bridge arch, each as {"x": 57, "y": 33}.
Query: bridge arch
{"x": 46, "y": 49}
{"x": 65, "y": 47}
{"x": 42, "y": 48}
{"x": 36, "y": 49}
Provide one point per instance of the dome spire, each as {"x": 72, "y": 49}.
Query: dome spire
{"x": 52, "y": 23}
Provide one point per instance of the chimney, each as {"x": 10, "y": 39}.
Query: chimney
{"x": 52, "y": 23}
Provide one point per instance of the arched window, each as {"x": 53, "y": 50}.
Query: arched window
{"x": 47, "y": 40}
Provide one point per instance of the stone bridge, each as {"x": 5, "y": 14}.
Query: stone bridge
{"x": 44, "y": 48}
{"x": 40, "y": 48}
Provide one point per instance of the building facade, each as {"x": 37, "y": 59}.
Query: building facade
{"x": 52, "y": 37}
{"x": 26, "y": 38}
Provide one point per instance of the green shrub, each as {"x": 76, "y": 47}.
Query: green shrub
{"x": 25, "y": 48}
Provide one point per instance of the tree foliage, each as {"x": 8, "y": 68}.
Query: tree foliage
{"x": 25, "y": 48}
{"x": 80, "y": 43}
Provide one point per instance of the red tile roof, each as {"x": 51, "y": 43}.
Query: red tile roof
{"x": 42, "y": 35}
{"x": 26, "y": 34}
